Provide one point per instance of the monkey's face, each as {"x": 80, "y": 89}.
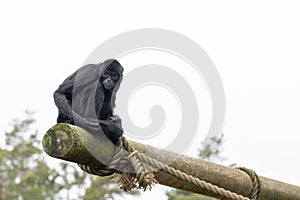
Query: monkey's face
{"x": 109, "y": 79}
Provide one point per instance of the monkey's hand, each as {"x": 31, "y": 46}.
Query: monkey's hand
{"x": 117, "y": 120}
{"x": 112, "y": 127}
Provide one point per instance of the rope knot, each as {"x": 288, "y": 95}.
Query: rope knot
{"x": 137, "y": 172}
{"x": 134, "y": 173}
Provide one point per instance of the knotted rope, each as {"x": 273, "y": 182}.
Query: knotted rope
{"x": 137, "y": 172}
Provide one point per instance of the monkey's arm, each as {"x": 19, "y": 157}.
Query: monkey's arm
{"x": 63, "y": 97}
{"x": 62, "y": 94}
{"x": 63, "y": 104}
{"x": 65, "y": 108}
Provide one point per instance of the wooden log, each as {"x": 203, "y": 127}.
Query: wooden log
{"x": 74, "y": 144}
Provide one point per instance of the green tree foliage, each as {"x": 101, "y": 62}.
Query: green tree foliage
{"x": 25, "y": 175}
{"x": 184, "y": 195}
{"x": 105, "y": 188}
{"x": 70, "y": 179}
{"x": 23, "y": 172}
{"x": 211, "y": 149}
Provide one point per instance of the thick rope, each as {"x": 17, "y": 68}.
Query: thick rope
{"x": 144, "y": 178}
{"x": 256, "y": 184}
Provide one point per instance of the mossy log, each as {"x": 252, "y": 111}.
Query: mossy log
{"x": 71, "y": 143}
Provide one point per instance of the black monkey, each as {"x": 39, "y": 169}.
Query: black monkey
{"x": 87, "y": 98}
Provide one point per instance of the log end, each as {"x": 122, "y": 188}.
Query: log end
{"x": 58, "y": 140}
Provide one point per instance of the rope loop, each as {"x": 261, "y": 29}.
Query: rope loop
{"x": 139, "y": 173}
{"x": 256, "y": 183}
{"x": 132, "y": 154}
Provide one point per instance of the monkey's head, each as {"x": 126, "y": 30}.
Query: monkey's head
{"x": 110, "y": 77}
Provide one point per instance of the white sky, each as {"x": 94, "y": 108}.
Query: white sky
{"x": 255, "y": 46}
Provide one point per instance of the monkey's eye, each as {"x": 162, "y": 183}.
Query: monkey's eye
{"x": 114, "y": 76}
{"x": 105, "y": 75}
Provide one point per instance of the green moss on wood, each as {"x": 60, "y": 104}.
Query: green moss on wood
{"x": 74, "y": 144}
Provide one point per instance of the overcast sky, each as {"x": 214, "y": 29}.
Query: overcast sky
{"x": 255, "y": 46}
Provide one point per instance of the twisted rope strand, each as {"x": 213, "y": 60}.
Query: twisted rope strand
{"x": 144, "y": 178}
{"x": 256, "y": 183}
